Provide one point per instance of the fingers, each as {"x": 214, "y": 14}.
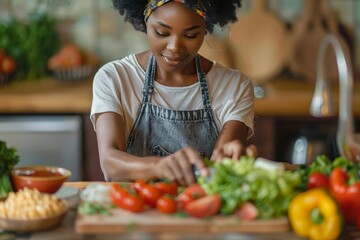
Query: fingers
{"x": 251, "y": 151}
{"x": 198, "y": 161}
{"x": 177, "y": 172}
{"x": 185, "y": 169}
{"x": 234, "y": 150}
{"x": 178, "y": 166}
{"x": 217, "y": 155}
{"x": 353, "y": 152}
{"x": 355, "y": 149}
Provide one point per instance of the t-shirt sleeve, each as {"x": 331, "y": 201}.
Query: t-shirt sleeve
{"x": 242, "y": 108}
{"x": 239, "y": 102}
{"x": 105, "y": 94}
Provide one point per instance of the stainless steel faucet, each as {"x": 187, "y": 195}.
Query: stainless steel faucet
{"x": 322, "y": 104}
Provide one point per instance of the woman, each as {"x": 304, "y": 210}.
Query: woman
{"x": 159, "y": 112}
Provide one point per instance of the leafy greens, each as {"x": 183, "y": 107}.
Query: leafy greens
{"x": 239, "y": 181}
{"x": 8, "y": 159}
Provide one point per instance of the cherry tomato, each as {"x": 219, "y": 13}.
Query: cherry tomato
{"x": 150, "y": 194}
{"x": 166, "y": 204}
{"x": 167, "y": 187}
{"x": 139, "y": 185}
{"x": 247, "y": 211}
{"x": 189, "y": 194}
{"x": 117, "y": 193}
{"x": 132, "y": 203}
{"x": 318, "y": 179}
{"x": 204, "y": 207}
{"x": 126, "y": 200}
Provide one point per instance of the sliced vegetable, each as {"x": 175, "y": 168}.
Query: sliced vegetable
{"x": 247, "y": 211}
{"x": 126, "y": 200}
{"x": 189, "y": 194}
{"x": 166, "y": 204}
{"x": 168, "y": 187}
{"x": 139, "y": 185}
{"x": 117, "y": 194}
{"x": 241, "y": 181}
{"x": 315, "y": 214}
{"x": 89, "y": 208}
{"x": 96, "y": 193}
{"x": 204, "y": 207}
{"x": 150, "y": 194}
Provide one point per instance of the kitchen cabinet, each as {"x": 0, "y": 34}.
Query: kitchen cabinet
{"x": 45, "y": 140}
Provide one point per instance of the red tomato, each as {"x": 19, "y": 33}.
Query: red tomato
{"x": 70, "y": 56}
{"x": 318, "y": 179}
{"x": 247, "y": 211}
{"x": 150, "y": 194}
{"x": 128, "y": 201}
{"x": 166, "y": 204}
{"x": 204, "y": 207}
{"x": 8, "y": 65}
{"x": 139, "y": 185}
{"x": 189, "y": 194}
{"x": 133, "y": 203}
{"x": 167, "y": 187}
{"x": 117, "y": 193}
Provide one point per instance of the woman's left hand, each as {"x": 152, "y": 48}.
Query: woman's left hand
{"x": 353, "y": 152}
{"x": 234, "y": 150}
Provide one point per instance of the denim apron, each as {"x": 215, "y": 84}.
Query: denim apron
{"x": 160, "y": 132}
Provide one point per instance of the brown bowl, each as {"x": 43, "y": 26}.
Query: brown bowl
{"x": 30, "y": 225}
{"x": 47, "y": 179}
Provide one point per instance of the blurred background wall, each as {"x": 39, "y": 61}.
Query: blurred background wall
{"x": 95, "y": 26}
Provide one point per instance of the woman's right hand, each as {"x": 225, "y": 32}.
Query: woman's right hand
{"x": 179, "y": 166}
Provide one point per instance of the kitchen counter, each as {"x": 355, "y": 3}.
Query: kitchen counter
{"x": 283, "y": 97}
{"x": 66, "y": 230}
{"x": 45, "y": 96}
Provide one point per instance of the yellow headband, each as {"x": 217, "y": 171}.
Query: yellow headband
{"x": 154, "y": 4}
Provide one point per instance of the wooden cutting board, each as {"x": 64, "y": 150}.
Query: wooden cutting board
{"x": 307, "y": 35}
{"x": 261, "y": 43}
{"x": 152, "y": 221}
{"x": 218, "y": 49}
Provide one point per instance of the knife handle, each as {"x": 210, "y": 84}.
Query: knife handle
{"x": 196, "y": 171}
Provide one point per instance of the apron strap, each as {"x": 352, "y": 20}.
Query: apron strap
{"x": 150, "y": 76}
{"x": 203, "y": 85}
{"x": 149, "y": 80}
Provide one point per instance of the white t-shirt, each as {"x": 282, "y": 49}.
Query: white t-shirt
{"x": 117, "y": 87}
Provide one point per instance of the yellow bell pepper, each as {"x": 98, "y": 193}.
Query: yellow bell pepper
{"x": 315, "y": 214}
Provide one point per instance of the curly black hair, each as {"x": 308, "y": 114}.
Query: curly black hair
{"x": 218, "y": 12}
